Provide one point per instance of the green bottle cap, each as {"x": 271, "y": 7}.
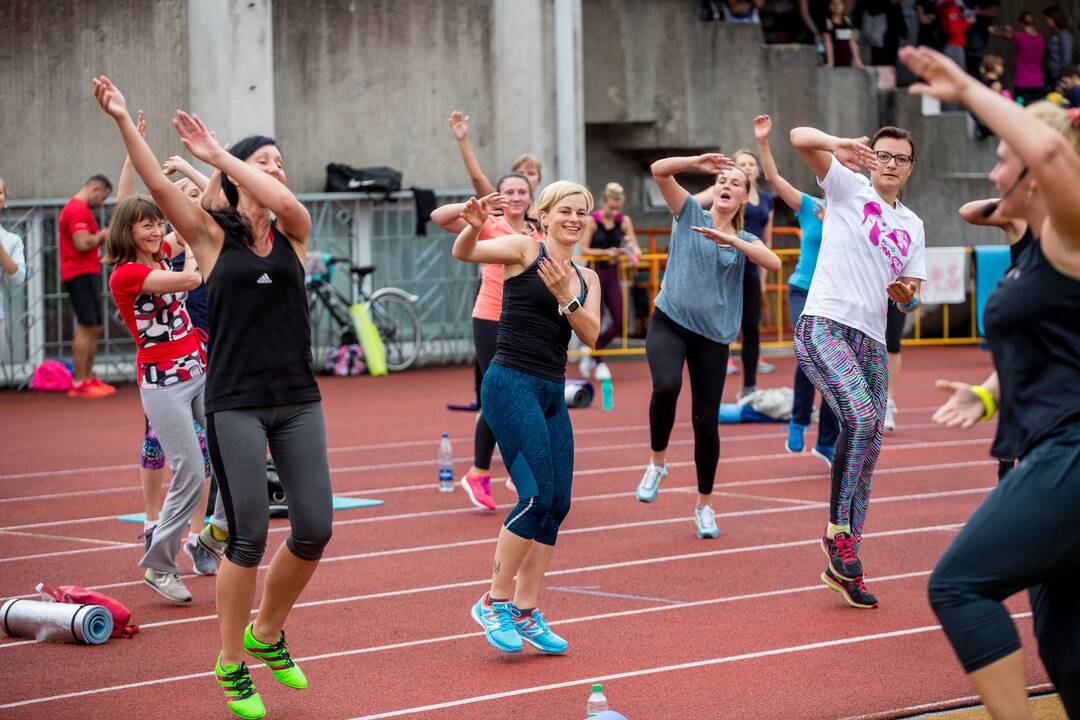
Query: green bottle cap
{"x": 598, "y": 688}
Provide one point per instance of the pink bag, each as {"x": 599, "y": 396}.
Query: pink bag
{"x": 51, "y": 376}
{"x": 81, "y": 596}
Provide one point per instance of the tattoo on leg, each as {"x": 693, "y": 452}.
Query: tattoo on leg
{"x": 496, "y": 565}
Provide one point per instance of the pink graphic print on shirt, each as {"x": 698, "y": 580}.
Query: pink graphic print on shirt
{"x": 893, "y": 243}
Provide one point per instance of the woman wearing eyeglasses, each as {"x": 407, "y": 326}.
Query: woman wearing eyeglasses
{"x": 871, "y": 253}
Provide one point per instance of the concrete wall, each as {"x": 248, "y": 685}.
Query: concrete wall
{"x": 53, "y": 135}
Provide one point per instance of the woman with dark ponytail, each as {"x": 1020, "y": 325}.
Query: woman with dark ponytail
{"x": 251, "y": 252}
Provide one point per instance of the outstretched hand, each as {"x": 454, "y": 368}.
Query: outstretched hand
{"x": 175, "y": 164}
{"x": 942, "y": 78}
{"x": 556, "y": 275}
{"x": 475, "y": 212}
{"x": 459, "y": 124}
{"x": 762, "y": 127}
{"x": 854, "y": 153}
{"x": 963, "y": 408}
{"x": 718, "y": 237}
{"x": 199, "y": 141}
{"x": 901, "y": 292}
{"x": 109, "y": 97}
{"x": 713, "y": 163}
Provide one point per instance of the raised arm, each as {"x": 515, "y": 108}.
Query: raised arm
{"x": 293, "y": 218}
{"x": 125, "y": 187}
{"x": 164, "y": 281}
{"x": 818, "y": 150}
{"x": 505, "y": 250}
{"x": 1043, "y": 149}
{"x": 972, "y": 213}
{"x": 585, "y": 321}
{"x": 190, "y": 220}
{"x": 787, "y": 192}
{"x": 664, "y": 170}
{"x": 754, "y": 251}
{"x": 459, "y": 124}
{"x": 177, "y": 164}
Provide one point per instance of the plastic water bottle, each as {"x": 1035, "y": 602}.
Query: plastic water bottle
{"x": 446, "y": 464}
{"x": 597, "y": 702}
{"x": 607, "y": 391}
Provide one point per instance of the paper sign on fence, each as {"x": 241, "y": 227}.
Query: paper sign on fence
{"x": 946, "y": 276}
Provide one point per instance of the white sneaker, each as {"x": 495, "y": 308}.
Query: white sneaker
{"x": 705, "y": 520}
{"x": 890, "y": 415}
{"x": 586, "y": 365}
{"x": 168, "y": 585}
{"x": 650, "y": 482}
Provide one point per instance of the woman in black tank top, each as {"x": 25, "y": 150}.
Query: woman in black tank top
{"x": 545, "y": 297}
{"x": 1025, "y": 533}
{"x": 260, "y": 384}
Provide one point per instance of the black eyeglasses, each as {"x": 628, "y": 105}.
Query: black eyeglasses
{"x": 884, "y": 158}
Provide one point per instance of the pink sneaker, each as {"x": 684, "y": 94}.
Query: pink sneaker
{"x": 478, "y": 488}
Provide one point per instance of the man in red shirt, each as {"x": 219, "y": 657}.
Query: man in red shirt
{"x": 80, "y": 270}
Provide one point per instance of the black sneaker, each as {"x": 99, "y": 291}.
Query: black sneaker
{"x": 854, "y": 591}
{"x": 840, "y": 549}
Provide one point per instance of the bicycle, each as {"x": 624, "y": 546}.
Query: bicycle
{"x": 390, "y": 309}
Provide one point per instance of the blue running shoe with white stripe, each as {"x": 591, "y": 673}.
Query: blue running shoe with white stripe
{"x": 498, "y": 623}
{"x": 650, "y": 482}
{"x": 534, "y": 630}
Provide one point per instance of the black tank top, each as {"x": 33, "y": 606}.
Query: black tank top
{"x": 261, "y": 354}
{"x": 532, "y": 334}
{"x": 1033, "y": 325}
{"x": 605, "y": 238}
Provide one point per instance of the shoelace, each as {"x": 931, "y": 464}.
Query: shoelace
{"x": 861, "y": 586}
{"x": 846, "y": 545}
{"x": 277, "y": 652}
{"x": 504, "y": 619}
{"x": 240, "y": 681}
{"x": 652, "y": 478}
{"x": 707, "y": 518}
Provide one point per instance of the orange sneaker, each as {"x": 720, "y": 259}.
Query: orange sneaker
{"x": 99, "y": 383}
{"x": 86, "y": 389}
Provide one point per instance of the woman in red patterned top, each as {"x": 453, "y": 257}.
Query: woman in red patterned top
{"x": 171, "y": 364}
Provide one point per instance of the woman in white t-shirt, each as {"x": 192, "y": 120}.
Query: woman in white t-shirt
{"x": 871, "y": 252}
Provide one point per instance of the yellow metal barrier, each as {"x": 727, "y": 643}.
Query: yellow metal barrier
{"x": 775, "y": 325}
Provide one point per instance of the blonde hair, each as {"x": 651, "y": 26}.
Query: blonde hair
{"x": 614, "y": 191}
{"x": 120, "y": 242}
{"x": 551, "y": 195}
{"x": 1058, "y": 118}
{"x": 185, "y": 183}
{"x": 526, "y": 160}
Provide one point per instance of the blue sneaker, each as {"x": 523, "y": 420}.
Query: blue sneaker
{"x": 534, "y": 630}
{"x": 498, "y": 623}
{"x": 649, "y": 486}
{"x": 825, "y": 453}
{"x": 765, "y": 368}
{"x": 794, "y": 442}
{"x": 705, "y": 520}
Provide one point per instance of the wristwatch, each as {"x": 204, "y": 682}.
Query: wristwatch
{"x": 569, "y": 308}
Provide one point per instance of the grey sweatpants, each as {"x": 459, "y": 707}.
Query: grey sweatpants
{"x": 171, "y": 410}
{"x": 296, "y": 435}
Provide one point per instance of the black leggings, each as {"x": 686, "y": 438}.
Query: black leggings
{"x": 894, "y": 328}
{"x": 485, "y": 337}
{"x": 1024, "y": 535}
{"x": 751, "y": 325}
{"x": 669, "y": 345}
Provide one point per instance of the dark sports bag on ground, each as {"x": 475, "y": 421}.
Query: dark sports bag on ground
{"x": 345, "y": 178}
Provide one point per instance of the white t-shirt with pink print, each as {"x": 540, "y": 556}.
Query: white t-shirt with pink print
{"x": 865, "y": 245}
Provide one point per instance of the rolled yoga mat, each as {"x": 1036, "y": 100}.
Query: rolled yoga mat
{"x": 56, "y": 622}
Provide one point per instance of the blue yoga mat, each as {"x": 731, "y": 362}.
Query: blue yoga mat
{"x": 340, "y": 503}
{"x": 991, "y": 263}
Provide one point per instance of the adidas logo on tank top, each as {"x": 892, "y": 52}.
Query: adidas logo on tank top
{"x": 264, "y": 279}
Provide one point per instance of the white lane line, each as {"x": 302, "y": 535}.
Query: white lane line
{"x": 659, "y": 560}
{"x": 591, "y": 590}
{"x": 768, "y": 498}
{"x": 857, "y": 639}
{"x": 44, "y": 536}
{"x": 448, "y": 638}
{"x": 940, "y": 706}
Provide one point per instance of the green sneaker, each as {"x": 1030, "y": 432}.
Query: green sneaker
{"x": 239, "y": 689}
{"x": 276, "y": 656}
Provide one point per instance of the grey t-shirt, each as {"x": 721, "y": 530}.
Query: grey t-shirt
{"x": 702, "y": 287}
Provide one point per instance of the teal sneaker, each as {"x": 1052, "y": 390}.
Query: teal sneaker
{"x": 239, "y": 689}
{"x": 277, "y": 658}
{"x": 705, "y": 520}
{"x": 498, "y": 623}
{"x": 534, "y": 630}
{"x": 649, "y": 486}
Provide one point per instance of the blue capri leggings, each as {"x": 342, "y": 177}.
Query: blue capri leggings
{"x": 532, "y": 426}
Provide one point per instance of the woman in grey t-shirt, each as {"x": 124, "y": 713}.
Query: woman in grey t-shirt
{"x": 698, "y": 314}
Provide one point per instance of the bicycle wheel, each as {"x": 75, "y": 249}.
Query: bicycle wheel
{"x": 399, "y": 329}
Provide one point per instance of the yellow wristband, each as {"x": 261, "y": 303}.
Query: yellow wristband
{"x": 987, "y": 400}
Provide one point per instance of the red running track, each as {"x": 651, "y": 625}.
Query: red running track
{"x": 738, "y": 627}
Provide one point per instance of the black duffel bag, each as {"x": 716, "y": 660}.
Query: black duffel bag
{"x": 345, "y": 178}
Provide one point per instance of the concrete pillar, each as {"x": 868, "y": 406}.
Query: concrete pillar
{"x": 231, "y": 66}
{"x": 569, "y": 92}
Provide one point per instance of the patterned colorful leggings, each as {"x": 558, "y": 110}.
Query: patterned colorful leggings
{"x": 851, "y": 371}
{"x": 152, "y": 456}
